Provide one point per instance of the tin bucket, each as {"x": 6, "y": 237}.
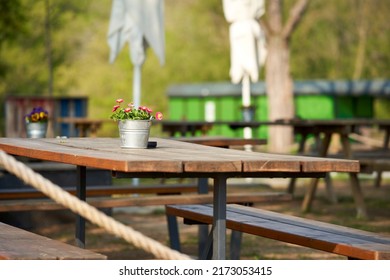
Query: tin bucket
{"x": 36, "y": 129}
{"x": 134, "y": 134}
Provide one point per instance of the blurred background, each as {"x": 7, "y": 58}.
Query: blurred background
{"x": 59, "y": 48}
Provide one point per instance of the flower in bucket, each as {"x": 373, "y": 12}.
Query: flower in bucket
{"x": 129, "y": 112}
{"x": 38, "y": 114}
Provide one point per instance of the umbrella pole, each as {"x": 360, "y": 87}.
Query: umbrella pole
{"x": 246, "y": 91}
{"x": 246, "y": 102}
{"x": 137, "y": 86}
{"x": 136, "y": 98}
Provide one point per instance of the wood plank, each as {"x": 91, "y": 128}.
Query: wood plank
{"x": 13, "y": 193}
{"x": 313, "y": 234}
{"x": 104, "y": 202}
{"x": 18, "y": 244}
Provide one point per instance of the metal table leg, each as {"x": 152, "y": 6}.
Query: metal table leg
{"x": 81, "y": 194}
{"x": 219, "y": 222}
{"x": 203, "y": 230}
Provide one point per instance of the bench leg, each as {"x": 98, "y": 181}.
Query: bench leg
{"x": 203, "y": 230}
{"x": 219, "y": 222}
{"x": 173, "y": 230}
{"x": 378, "y": 179}
{"x": 235, "y": 245}
{"x": 207, "y": 252}
{"x": 309, "y": 195}
{"x": 203, "y": 234}
{"x": 361, "y": 211}
{"x": 81, "y": 194}
{"x": 330, "y": 190}
{"x": 311, "y": 191}
{"x": 291, "y": 186}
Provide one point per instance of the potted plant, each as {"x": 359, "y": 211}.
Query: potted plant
{"x": 133, "y": 123}
{"x": 36, "y": 123}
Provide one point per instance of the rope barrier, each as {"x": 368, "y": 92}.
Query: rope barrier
{"x": 87, "y": 211}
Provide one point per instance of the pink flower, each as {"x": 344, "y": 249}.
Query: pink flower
{"x": 148, "y": 110}
{"x": 115, "y": 108}
{"x": 131, "y": 105}
{"x": 159, "y": 116}
{"x": 119, "y": 100}
{"x": 127, "y": 109}
{"x": 143, "y": 108}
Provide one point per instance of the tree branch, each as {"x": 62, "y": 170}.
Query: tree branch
{"x": 296, "y": 14}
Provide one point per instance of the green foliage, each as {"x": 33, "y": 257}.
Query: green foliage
{"x": 336, "y": 36}
{"x": 335, "y": 40}
{"x": 12, "y": 19}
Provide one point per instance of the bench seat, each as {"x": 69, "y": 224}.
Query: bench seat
{"x": 23, "y": 193}
{"x": 146, "y": 200}
{"x": 19, "y": 244}
{"x": 352, "y": 243}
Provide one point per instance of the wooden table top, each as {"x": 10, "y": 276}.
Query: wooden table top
{"x": 168, "y": 157}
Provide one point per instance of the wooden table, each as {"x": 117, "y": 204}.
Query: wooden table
{"x": 173, "y": 159}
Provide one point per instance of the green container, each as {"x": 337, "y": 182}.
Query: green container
{"x": 319, "y": 99}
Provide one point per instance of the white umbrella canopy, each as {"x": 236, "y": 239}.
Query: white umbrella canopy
{"x": 140, "y": 23}
{"x": 247, "y": 42}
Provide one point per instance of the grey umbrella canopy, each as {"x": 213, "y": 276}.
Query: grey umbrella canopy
{"x": 140, "y": 23}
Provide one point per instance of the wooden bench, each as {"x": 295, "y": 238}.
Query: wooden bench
{"x": 352, "y": 243}
{"x": 146, "y": 200}
{"x": 44, "y": 204}
{"x": 18, "y": 244}
{"x": 96, "y": 191}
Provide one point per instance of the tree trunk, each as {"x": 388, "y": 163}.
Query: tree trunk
{"x": 279, "y": 93}
{"x": 278, "y": 80}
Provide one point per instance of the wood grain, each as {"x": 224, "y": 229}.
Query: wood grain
{"x": 18, "y": 244}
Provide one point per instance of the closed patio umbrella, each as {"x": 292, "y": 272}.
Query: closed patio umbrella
{"x": 140, "y": 23}
{"x": 247, "y": 44}
{"x": 247, "y": 40}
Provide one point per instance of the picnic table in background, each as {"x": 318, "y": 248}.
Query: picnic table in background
{"x": 221, "y": 141}
{"x": 184, "y": 127}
